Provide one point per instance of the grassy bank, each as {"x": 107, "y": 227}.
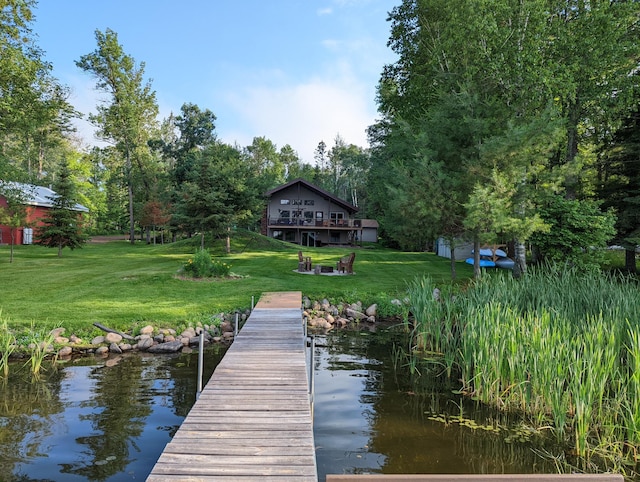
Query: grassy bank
{"x": 121, "y": 285}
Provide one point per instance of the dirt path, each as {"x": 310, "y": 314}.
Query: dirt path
{"x": 107, "y": 239}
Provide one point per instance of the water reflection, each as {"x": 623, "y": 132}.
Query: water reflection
{"x": 95, "y": 419}
{"x": 370, "y": 418}
{"x": 109, "y": 420}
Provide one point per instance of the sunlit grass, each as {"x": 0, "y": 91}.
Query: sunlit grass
{"x": 119, "y": 284}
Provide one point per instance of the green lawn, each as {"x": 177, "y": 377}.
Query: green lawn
{"x": 123, "y": 285}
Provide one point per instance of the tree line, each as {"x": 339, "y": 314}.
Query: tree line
{"x": 173, "y": 174}
{"x": 511, "y": 121}
{"x": 505, "y": 121}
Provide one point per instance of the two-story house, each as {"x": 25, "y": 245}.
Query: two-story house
{"x": 299, "y": 212}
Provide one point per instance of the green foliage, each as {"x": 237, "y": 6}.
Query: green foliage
{"x": 491, "y": 103}
{"x": 578, "y": 232}
{"x": 39, "y": 344}
{"x": 554, "y": 345}
{"x": 34, "y": 112}
{"x": 620, "y": 184}
{"x": 127, "y": 119}
{"x": 62, "y": 225}
{"x": 201, "y": 265}
{"x": 7, "y": 345}
{"x": 220, "y": 191}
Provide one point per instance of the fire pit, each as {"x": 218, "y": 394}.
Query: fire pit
{"x": 323, "y": 269}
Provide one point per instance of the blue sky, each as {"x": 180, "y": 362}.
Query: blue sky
{"x": 294, "y": 71}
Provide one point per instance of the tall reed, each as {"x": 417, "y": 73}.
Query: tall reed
{"x": 557, "y": 345}
{"x": 39, "y": 347}
{"x": 632, "y": 400}
{"x": 7, "y": 346}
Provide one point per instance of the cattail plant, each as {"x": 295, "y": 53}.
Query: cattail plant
{"x": 558, "y": 345}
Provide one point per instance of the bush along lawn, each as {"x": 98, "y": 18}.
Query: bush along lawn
{"x": 559, "y": 347}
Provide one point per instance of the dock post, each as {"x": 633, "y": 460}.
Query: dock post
{"x": 200, "y": 363}
{"x": 235, "y": 326}
{"x": 311, "y": 370}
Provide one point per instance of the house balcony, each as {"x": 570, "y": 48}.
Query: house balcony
{"x": 314, "y": 224}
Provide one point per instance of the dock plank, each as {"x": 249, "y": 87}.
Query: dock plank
{"x": 253, "y": 420}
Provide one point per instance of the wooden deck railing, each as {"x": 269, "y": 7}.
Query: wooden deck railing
{"x": 325, "y": 223}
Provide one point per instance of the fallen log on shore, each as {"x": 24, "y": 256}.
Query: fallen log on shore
{"x": 110, "y": 330}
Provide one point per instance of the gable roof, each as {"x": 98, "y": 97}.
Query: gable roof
{"x": 369, "y": 223}
{"x": 312, "y": 187}
{"x": 39, "y": 195}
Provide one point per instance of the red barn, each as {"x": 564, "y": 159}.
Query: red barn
{"x": 38, "y": 200}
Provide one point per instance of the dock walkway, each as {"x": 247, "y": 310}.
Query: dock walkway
{"x": 253, "y": 419}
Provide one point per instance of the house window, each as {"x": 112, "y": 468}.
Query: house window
{"x": 284, "y": 217}
{"x": 334, "y": 237}
{"x": 336, "y": 215}
{"x": 309, "y": 202}
{"x": 277, "y": 235}
{"x": 290, "y": 236}
{"x": 296, "y": 202}
{"x": 284, "y": 201}
{"x": 308, "y": 216}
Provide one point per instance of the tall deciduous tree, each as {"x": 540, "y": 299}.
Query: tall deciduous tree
{"x": 348, "y": 165}
{"x": 128, "y": 117}
{"x": 266, "y": 161}
{"x": 34, "y": 112}
{"x": 472, "y": 74}
{"x": 62, "y": 226}
{"x": 591, "y": 48}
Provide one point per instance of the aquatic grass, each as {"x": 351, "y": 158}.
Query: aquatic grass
{"x": 632, "y": 400}
{"x": 39, "y": 347}
{"x": 7, "y": 345}
{"x": 553, "y": 346}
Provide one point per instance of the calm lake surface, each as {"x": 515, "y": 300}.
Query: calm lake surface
{"x": 109, "y": 419}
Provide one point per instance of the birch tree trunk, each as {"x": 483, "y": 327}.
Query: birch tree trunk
{"x": 520, "y": 265}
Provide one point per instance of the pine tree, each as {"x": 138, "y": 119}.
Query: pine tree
{"x": 62, "y": 224}
{"x": 620, "y": 186}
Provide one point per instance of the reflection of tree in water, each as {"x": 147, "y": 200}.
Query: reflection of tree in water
{"x": 26, "y": 478}
{"x": 123, "y": 398}
{"x": 118, "y": 408}
{"x": 397, "y": 406}
{"x": 27, "y": 413}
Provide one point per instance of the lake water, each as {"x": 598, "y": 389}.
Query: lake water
{"x": 109, "y": 419}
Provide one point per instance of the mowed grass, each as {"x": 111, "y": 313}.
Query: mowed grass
{"x": 122, "y": 285}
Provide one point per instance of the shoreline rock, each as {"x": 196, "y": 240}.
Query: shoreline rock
{"x": 319, "y": 315}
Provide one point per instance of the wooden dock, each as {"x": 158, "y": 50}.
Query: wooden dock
{"x": 253, "y": 419}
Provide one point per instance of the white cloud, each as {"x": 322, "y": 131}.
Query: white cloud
{"x": 324, "y": 11}
{"x": 303, "y": 114}
{"x": 84, "y": 98}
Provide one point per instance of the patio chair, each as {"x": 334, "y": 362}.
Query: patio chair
{"x": 345, "y": 265}
{"x": 304, "y": 262}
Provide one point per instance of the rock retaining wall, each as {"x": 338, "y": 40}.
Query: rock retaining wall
{"x": 320, "y": 315}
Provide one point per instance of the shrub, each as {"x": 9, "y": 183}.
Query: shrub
{"x": 201, "y": 265}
